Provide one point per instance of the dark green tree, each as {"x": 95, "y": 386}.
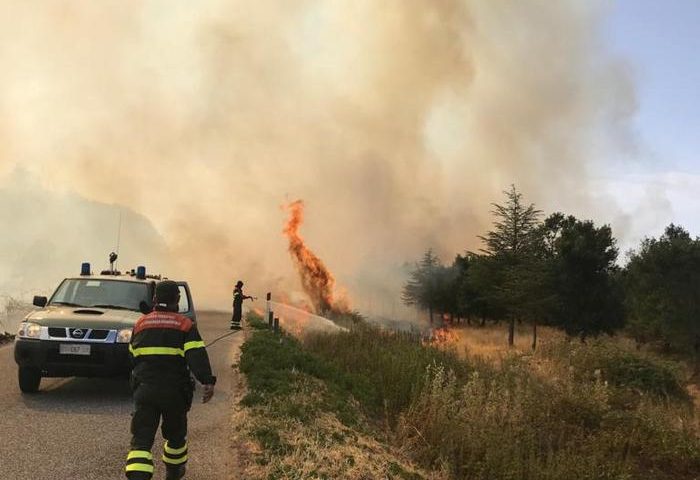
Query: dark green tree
{"x": 515, "y": 232}
{"x": 582, "y": 264}
{"x": 448, "y": 297}
{"x": 533, "y": 292}
{"x": 484, "y": 282}
{"x": 424, "y": 288}
{"x": 662, "y": 283}
{"x": 513, "y": 246}
{"x": 465, "y": 295}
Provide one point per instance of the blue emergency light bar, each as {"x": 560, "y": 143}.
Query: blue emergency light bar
{"x": 141, "y": 272}
{"x": 85, "y": 269}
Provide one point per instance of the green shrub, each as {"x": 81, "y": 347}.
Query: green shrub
{"x": 383, "y": 370}
{"x": 623, "y": 367}
{"x": 296, "y": 383}
{"x": 256, "y": 321}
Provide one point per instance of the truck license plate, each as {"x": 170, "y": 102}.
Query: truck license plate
{"x": 67, "y": 349}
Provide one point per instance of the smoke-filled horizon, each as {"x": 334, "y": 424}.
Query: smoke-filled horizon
{"x": 397, "y": 122}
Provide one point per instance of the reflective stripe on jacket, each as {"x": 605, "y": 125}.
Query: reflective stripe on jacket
{"x": 163, "y": 345}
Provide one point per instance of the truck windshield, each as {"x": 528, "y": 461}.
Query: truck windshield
{"x": 101, "y": 293}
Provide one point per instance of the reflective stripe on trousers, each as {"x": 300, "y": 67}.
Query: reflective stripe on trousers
{"x": 153, "y": 403}
{"x": 174, "y": 456}
{"x": 139, "y": 465}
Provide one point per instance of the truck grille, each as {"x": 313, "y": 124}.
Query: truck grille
{"x": 98, "y": 334}
{"x": 77, "y": 333}
{"x": 57, "y": 332}
{"x": 80, "y": 334}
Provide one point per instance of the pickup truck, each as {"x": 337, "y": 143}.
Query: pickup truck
{"x": 84, "y": 328}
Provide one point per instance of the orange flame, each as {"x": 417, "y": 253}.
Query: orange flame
{"x": 317, "y": 281}
{"x": 442, "y": 337}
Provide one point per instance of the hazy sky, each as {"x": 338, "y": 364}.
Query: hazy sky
{"x": 660, "y": 44}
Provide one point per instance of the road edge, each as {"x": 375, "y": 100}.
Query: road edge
{"x": 238, "y": 448}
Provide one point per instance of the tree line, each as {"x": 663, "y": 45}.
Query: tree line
{"x": 561, "y": 271}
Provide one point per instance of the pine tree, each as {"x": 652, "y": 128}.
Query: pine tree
{"x": 512, "y": 244}
{"x": 423, "y": 288}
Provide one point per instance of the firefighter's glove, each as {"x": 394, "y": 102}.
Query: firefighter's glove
{"x": 208, "y": 392}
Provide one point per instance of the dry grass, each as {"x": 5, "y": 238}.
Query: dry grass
{"x": 694, "y": 392}
{"x": 490, "y": 342}
{"x": 321, "y": 448}
{"x": 368, "y": 404}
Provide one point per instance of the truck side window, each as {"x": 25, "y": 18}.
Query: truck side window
{"x": 184, "y": 305}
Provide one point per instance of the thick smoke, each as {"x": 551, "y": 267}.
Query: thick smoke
{"x": 46, "y": 235}
{"x": 398, "y": 123}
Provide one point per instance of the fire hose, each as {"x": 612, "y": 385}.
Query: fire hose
{"x": 192, "y": 380}
{"x": 226, "y": 334}
{"x": 221, "y": 338}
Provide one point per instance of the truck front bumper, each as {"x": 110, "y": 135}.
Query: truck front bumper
{"x": 104, "y": 360}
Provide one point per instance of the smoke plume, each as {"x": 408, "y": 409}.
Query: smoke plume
{"x": 397, "y": 122}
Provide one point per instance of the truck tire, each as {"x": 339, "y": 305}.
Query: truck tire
{"x": 29, "y": 379}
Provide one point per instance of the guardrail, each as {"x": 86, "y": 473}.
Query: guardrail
{"x": 294, "y": 320}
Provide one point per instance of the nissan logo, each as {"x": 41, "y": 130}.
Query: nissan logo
{"x": 77, "y": 333}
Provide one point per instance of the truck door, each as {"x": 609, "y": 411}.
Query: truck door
{"x": 186, "y": 307}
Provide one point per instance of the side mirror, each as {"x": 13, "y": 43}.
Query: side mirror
{"x": 40, "y": 301}
{"x": 144, "y": 307}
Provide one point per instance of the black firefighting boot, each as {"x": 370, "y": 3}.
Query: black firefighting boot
{"x": 174, "y": 472}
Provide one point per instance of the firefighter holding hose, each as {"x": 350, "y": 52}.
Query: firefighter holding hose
{"x": 238, "y": 298}
{"x": 165, "y": 347}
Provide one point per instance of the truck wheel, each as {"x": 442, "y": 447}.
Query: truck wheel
{"x": 29, "y": 379}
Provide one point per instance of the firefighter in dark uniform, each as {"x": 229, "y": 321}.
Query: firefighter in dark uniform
{"x": 238, "y": 298}
{"x": 165, "y": 347}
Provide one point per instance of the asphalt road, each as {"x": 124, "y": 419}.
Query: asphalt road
{"x": 78, "y": 429}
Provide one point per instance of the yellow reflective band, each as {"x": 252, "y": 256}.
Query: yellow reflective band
{"x": 136, "y": 352}
{"x": 175, "y": 462}
{"x": 139, "y": 454}
{"x": 174, "y": 451}
{"x": 195, "y": 344}
{"x": 139, "y": 467}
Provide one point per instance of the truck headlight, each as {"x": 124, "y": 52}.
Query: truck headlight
{"x": 29, "y": 330}
{"x": 124, "y": 335}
